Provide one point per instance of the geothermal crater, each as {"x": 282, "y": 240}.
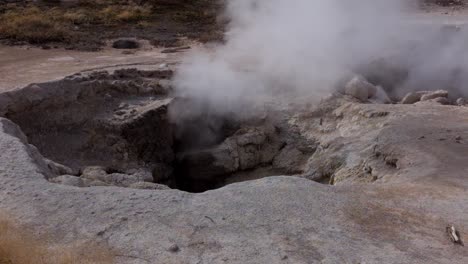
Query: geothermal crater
{"x": 116, "y": 129}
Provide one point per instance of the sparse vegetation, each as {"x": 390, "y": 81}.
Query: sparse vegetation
{"x": 87, "y": 21}
{"x": 18, "y": 246}
{"x": 32, "y": 25}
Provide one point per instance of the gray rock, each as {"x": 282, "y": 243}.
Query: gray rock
{"x": 434, "y": 95}
{"x": 290, "y": 160}
{"x": 360, "y": 88}
{"x": 461, "y": 102}
{"x": 59, "y": 169}
{"x": 94, "y": 173}
{"x": 99, "y": 174}
{"x": 413, "y": 97}
{"x": 244, "y": 150}
{"x": 250, "y": 136}
{"x": 437, "y": 100}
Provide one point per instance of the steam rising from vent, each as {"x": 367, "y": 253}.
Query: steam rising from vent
{"x": 301, "y": 49}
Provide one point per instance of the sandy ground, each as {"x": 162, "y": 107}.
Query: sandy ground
{"x": 20, "y": 66}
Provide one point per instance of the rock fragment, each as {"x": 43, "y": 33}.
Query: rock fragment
{"x": 461, "y": 102}
{"x": 438, "y": 100}
{"x": 59, "y": 169}
{"x": 412, "y": 97}
{"x": 98, "y": 176}
{"x": 434, "y": 95}
{"x": 454, "y": 235}
{"x": 360, "y": 88}
{"x": 174, "y": 248}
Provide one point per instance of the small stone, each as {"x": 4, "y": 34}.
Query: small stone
{"x": 174, "y": 248}
{"x": 461, "y": 101}
{"x": 454, "y": 235}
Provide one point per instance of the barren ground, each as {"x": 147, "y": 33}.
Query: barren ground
{"x": 23, "y": 65}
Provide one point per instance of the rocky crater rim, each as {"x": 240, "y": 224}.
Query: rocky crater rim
{"x": 127, "y": 129}
{"x": 114, "y": 129}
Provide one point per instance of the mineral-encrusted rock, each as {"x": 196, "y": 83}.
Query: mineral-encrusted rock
{"x": 434, "y": 95}
{"x": 290, "y": 160}
{"x": 413, "y": 97}
{"x": 68, "y": 180}
{"x": 437, "y": 100}
{"x": 100, "y": 174}
{"x": 360, "y": 88}
{"x": 461, "y": 102}
{"x": 246, "y": 149}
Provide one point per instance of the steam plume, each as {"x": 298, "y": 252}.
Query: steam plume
{"x": 300, "y": 49}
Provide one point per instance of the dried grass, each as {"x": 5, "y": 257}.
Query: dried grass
{"x": 32, "y": 25}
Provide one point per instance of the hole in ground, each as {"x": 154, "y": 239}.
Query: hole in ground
{"x": 114, "y": 129}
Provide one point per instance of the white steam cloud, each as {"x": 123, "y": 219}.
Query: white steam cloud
{"x": 300, "y": 49}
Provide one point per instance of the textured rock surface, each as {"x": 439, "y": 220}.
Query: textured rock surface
{"x": 461, "y": 102}
{"x": 117, "y": 121}
{"x": 360, "y": 88}
{"x": 415, "y": 157}
{"x": 439, "y": 96}
{"x": 413, "y": 97}
{"x": 434, "y": 94}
